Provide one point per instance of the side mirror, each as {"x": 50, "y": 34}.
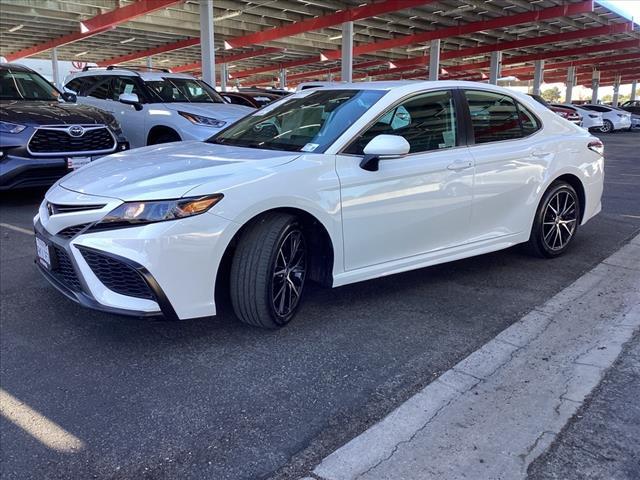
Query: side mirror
{"x": 383, "y": 147}
{"x": 130, "y": 99}
{"x": 69, "y": 97}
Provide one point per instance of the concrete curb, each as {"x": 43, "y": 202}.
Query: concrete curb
{"x": 498, "y": 409}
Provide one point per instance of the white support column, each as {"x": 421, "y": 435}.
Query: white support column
{"x": 495, "y": 67}
{"x": 347, "y": 52}
{"x": 634, "y": 89}
{"x": 538, "y": 76}
{"x": 224, "y": 76}
{"x": 616, "y": 90}
{"x": 283, "y": 78}
{"x": 595, "y": 84}
{"x": 434, "y": 59}
{"x": 149, "y": 63}
{"x": 571, "y": 79}
{"x": 206, "y": 42}
{"x": 330, "y": 77}
{"x": 55, "y": 67}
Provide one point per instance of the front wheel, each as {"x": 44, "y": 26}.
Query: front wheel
{"x": 556, "y": 221}
{"x": 268, "y": 271}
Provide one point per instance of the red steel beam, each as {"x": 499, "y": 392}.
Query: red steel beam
{"x": 574, "y": 63}
{"x": 228, "y": 58}
{"x": 98, "y": 24}
{"x": 188, "y": 42}
{"x": 124, "y": 14}
{"x": 600, "y": 47}
{"x": 525, "y": 42}
{"x": 327, "y": 71}
{"x": 473, "y": 27}
{"x": 271, "y": 68}
{"x": 349, "y": 15}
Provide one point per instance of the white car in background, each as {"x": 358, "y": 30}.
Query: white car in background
{"x": 155, "y": 107}
{"x": 612, "y": 119}
{"x": 590, "y": 119}
{"x": 335, "y": 185}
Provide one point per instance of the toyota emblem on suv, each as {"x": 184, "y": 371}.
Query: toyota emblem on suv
{"x": 76, "y": 131}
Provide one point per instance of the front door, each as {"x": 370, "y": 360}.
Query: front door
{"x": 415, "y": 204}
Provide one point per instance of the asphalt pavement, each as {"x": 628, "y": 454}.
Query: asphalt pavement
{"x": 214, "y": 398}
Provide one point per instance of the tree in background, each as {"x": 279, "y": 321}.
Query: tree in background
{"x": 551, "y": 95}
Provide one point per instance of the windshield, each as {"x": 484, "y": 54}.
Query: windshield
{"x": 20, "y": 85}
{"x": 301, "y": 124}
{"x": 170, "y": 90}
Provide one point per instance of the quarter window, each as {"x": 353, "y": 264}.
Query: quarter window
{"x": 125, "y": 85}
{"x": 426, "y": 121}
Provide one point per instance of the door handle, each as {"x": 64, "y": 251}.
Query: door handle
{"x": 456, "y": 166}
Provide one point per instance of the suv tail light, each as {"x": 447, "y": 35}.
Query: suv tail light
{"x": 596, "y": 146}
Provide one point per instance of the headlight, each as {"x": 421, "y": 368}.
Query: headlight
{"x": 140, "y": 213}
{"x": 6, "y": 127}
{"x": 200, "y": 120}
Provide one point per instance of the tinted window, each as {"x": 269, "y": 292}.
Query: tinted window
{"x": 307, "y": 123}
{"x": 171, "y": 89}
{"x": 596, "y": 108}
{"x": 125, "y": 85}
{"x": 77, "y": 84}
{"x": 237, "y": 100}
{"x": 426, "y": 121}
{"x": 496, "y": 117}
{"x": 21, "y": 85}
{"x": 99, "y": 89}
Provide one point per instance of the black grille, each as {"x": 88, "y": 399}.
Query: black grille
{"x": 56, "y": 208}
{"x": 71, "y": 232}
{"x": 64, "y": 271}
{"x": 117, "y": 275}
{"x": 57, "y": 140}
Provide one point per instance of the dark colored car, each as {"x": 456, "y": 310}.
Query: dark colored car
{"x": 250, "y": 99}
{"x": 631, "y": 106}
{"x": 43, "y": 134}
{"x": 566, "y": 113}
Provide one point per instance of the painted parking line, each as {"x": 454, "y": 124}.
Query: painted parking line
{"x": 16, "y": 229}
{"x": 37, "y": 425}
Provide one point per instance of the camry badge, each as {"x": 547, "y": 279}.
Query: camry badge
{"x": 76, "y": 131}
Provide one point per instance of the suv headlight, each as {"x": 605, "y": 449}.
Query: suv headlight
{"x": 6, "y": 127}
{"x": 200, "y": 120}
{"x": 140, "y": 213}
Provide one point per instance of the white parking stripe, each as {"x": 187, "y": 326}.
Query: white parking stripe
{"x": 37, "y": 425}
{"x": 17, "y": 229}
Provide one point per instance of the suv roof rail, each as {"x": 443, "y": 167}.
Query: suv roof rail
{"x": 132, "y": 69}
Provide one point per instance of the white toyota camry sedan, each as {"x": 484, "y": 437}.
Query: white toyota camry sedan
{"x": 334, "y": 185}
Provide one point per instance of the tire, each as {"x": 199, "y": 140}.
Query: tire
{"x": 165, "y": 138}
{"x": 268, "y": 271}
{"x": 607, "y": 126}
{"x": 551, "y": 234}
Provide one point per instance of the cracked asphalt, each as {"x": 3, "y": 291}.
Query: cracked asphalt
{"x": 602, "y": 441}
{"x": 213, "y": 398}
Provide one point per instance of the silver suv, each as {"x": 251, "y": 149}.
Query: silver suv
{"x": 155, "y": 106}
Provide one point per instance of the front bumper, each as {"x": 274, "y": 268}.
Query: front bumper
{"x": 176, "y": 260}
{"x": 72, "y": 284}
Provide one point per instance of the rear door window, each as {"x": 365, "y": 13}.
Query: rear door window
{"x": 100, "y": 89}
{"x": 496, "y": 117}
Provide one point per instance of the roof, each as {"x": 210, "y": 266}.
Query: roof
{"x": 14, "y": 66}
{"x": 145, "y": 75}
{"x": 162, "y": 31}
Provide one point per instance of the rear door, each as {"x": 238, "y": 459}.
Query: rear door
{"x": 510, "y": 161}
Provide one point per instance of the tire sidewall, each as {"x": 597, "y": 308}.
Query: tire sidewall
{"x": 279, "y": 320}
{"x": 537, "y": 232}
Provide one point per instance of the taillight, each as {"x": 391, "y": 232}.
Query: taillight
{"x": 562, "y": 114}
{"x": 596, "y": 146}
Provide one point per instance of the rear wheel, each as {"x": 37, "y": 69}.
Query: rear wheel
{"x": 268, "y": 271}
{"x": 607, "y": 126}
{"x": 556, "y": 221}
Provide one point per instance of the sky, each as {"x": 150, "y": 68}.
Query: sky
{"x": 630, "y": 7}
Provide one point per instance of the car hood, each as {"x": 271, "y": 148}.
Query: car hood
{"x": 50, "y": 113}
{"x": 219, "y": 111}
{"x": 169, "y": 170}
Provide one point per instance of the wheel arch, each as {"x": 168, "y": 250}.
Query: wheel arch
{"x": 159, "y": 130}
{"x": 321, "y": 248}
{"x": 578, "y": 186}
